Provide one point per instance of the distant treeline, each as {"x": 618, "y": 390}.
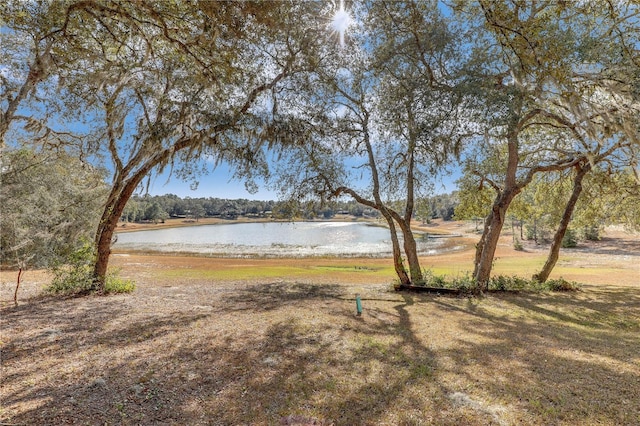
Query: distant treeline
{"x": 147, "y": 208}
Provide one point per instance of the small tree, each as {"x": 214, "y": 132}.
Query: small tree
{"x": 154, "y": 213}
{"x": 569, "y": 240}
{"x": 50, "y": 202}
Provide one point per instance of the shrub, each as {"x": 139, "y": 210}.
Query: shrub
{"x": 561, "y": 284}
{"x": 530, "y": 233}
{"x": 592, "y": 233}
{"x": 513, "y": 283}
{"x": 432, "y": 280}
{"x": 438, "y": 281}
{"x": 75, "y": 274}
{"x": 115, "y": 285}
{"x": 517, "y": 245}
{"x": 569, "y": 240}
{"x": 465, "y": 284}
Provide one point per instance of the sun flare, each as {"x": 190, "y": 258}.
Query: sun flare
{"x": 340, "y": 22}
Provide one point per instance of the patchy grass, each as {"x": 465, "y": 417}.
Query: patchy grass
{"x": 231, "y": 274}
{"x": 269, "y": 352}
{"x": 350, "y": 268}
{"x": 260, "y": 271}
{"x": 115, "y": 285}
{"x": 264, "y": 342}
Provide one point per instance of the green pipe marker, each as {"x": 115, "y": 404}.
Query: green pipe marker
{"x": 358, "y": 304}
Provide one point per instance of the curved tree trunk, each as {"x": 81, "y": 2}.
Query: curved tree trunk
{"x": 486, "y": 248}
{"x": 554, "y": 251}
{"x": 481, "y": 243}
{"x": 388, "y": 215}
{"x": 109, "y": 222}
{"x": 121, "y": 192}
{"x": 377, "y": 204}
{"x": 398, "y": 265}
{"x": 489, "y": 242}
{"x": 140, "y": 165}
{"x": 411, "y": 252}
{"x": 410, "y": 247}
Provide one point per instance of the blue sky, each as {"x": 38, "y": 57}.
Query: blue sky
{"x": 219, "y": 184}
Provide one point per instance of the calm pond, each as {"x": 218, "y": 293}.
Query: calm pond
{"x": 270, "y": 239}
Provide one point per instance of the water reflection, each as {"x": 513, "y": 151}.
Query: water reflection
{"x": 269, "y": 239}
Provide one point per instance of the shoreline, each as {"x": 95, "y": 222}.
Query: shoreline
{"x": 124, "y": 227}
{"x": 449, "y": 239}
{"x": 612, "y": 260}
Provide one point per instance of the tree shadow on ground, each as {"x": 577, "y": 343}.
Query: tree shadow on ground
{"x": 269, "y": 296}
{"x": 565, "y": 358}
{"x": 609, "y": 246}
{"x": 292, "y": 353}
{"x": 67, "y": 355}
{"x": 300, "y": 354}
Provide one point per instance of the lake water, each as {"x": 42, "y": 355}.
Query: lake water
{"x": 270, "y": 239}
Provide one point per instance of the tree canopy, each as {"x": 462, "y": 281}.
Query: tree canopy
{"x": 50, "y": 203}
{"x": 517, "y": 92}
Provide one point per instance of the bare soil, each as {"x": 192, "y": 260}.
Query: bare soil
{"x": 206, "y": 341}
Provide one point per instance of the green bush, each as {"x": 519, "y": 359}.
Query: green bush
{"x": 115, "y": 285}
{"x": 561, "y": 284}
{"x": 592, "y": 233}
{"x": 530, "y": 232}
{"x": 513, "y": 283}
{"x": 466, "y": 283}
{"x": 75, "y": 274}
{"x": 517, "y": 245}
{"x": 437, "y": 281}
{"x": 432, "y": 280}
{"x": 569, "y": 240}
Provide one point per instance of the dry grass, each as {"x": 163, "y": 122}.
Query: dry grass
{"x": 193, "y": 347}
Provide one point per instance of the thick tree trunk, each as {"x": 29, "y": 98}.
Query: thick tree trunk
{"x": 554, "y": 251}
{"x": 488, "y": 244}
{"x": 398, "y": 265}
{"x": 486, "y": 248}
{"x": 113, "y": 209}
{"x": 103, "y": 251}
{"x": 481, "y": 243}
{"x": 411, "y": 252}
{"x": 410, "y": 248}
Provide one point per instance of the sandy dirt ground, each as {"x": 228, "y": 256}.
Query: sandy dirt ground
{"x": 209, "y": 341}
